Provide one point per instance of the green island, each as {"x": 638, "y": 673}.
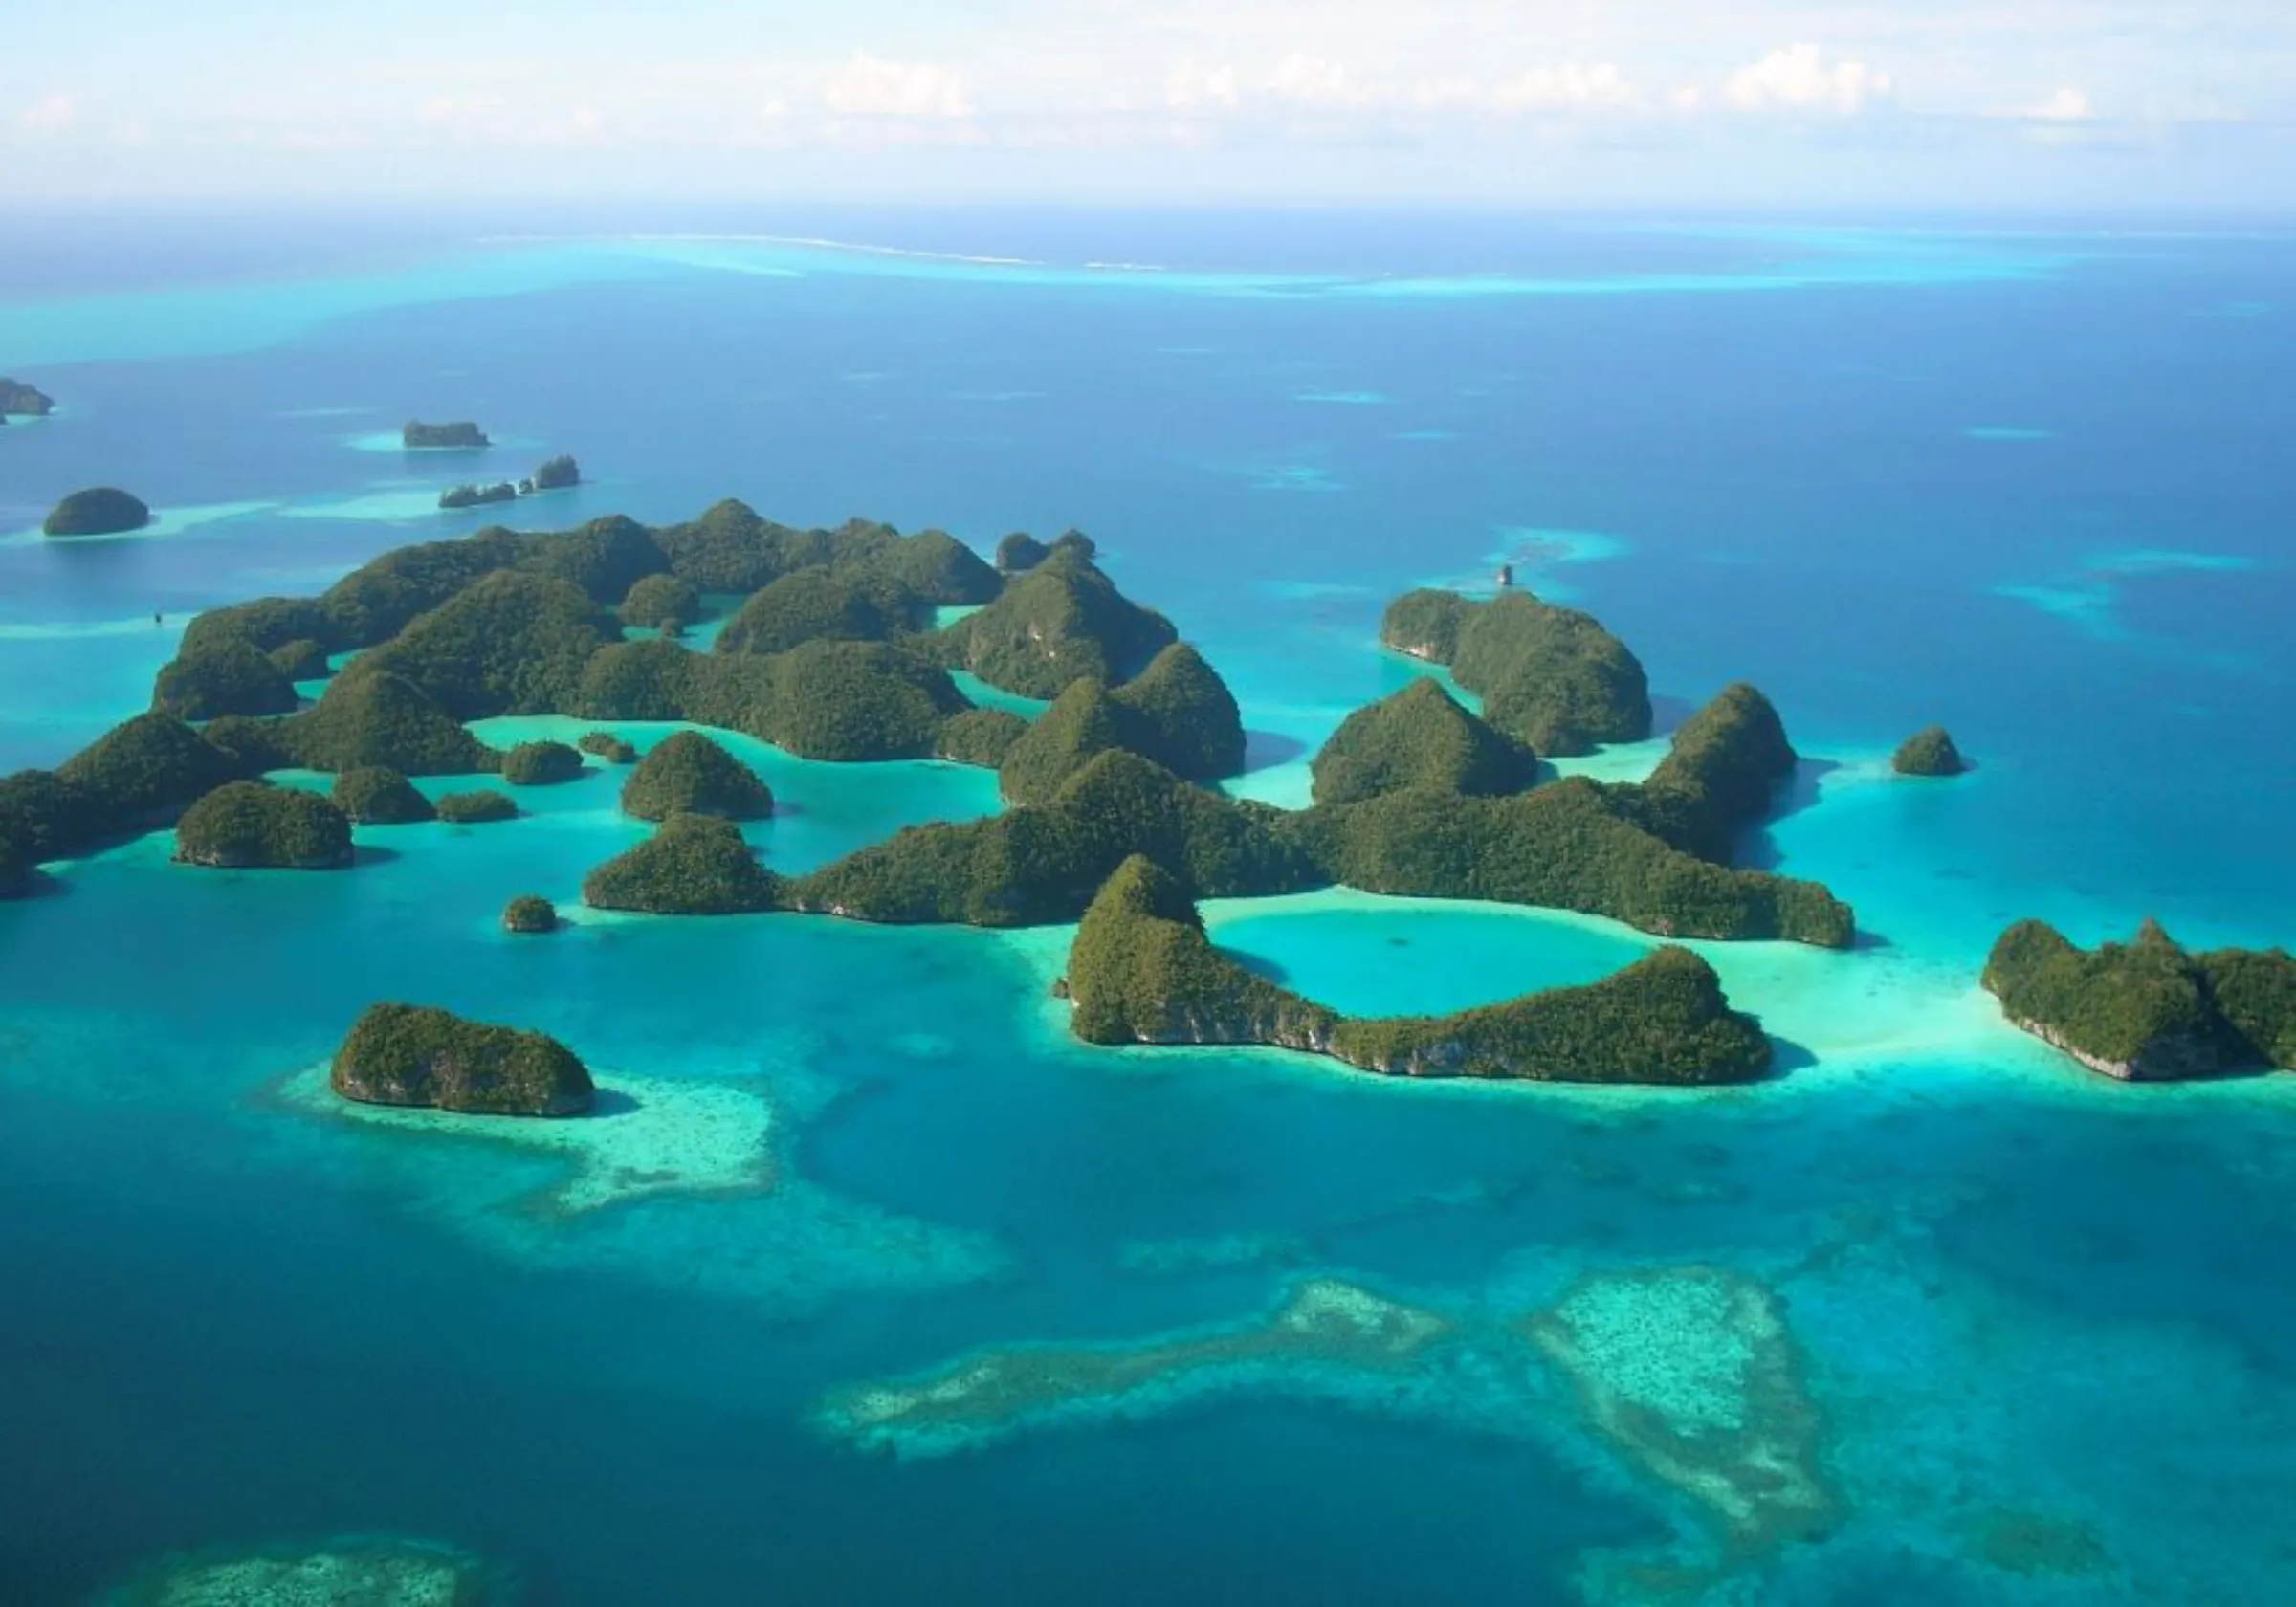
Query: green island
{"x": 687, "y": 774}
{"x": 605, "y": 745}
{"x": 692, "y": 865}
{"x": 411, "y": 1054}
{"x": 530, "y": 914}
{"x": 377, "y": 795}
{"x": 24, "y": 400}
{"x": 1929, "y": 753}
{"x": 481, "y": 806}
{"x": 2147, "y": 1010}
{"x": 1419, "y": 737}
{"x": 663, "y": 602}
{"x": 541, "y": 763}
{"x": 100, "y": 511}
{"x": 459, "y": 436}
{"x": 1549, "y": 676}
{"x": 254, "y": 825}
{"x": 552, "y": 474}
{"x": 226, "y": 678}
{"x": 456, "y": 498}
{"x": 299, "y": 661}
{"x": 1142, "y": 970}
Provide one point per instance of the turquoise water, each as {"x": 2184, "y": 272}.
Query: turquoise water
{"x": 2018, "y": 1335}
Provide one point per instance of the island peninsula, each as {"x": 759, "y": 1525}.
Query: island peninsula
{"x": 837, "y": 654}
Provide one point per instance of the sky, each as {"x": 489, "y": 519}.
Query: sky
{"x": 1825, "y": 104}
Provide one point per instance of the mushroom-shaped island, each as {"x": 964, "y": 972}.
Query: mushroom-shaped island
{"x": 556, "y": 473}
{"x": 694, "y": 865}
{"x": 662, "y": 603}
{"x": 542, "y": 765}
{"x": 1142, "y": 970}
{"x": 377, "y": 795}
{"x": 2147, "y": 1010}
{"x": 102, "y": 511}
{"x": 605, "y": 745}
{"x": 1929, "y": 753}
{"x": 688, "y": 774}
{"x": 459, "y": 436}
{"x": 455, "y": 497}
{"x": 253, "y": 826}
{"x": 530, "y": 914}
{"x": 411, "y": 1054}
{"x": 482, "y": 806}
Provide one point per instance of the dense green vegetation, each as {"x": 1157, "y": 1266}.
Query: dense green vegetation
{"x": 2146, "y": 1010}
{"x": 146, "y": 768}
{"x": 510, "y": 643}
{"x": 1564, "y": 846}
{"x": 455, "y": 497}
{"x": 367, "y": 716}
{"x": 24, "y": 400}
{"x": 688, "y": 774}
{"x": 227, "y": 678}
{"x": 300, "y": 660}
{"x": 663, "y": 602}
{"x": 939, "y": 570}
{"x": 2254, "y": 991}
{"x": 1142, "y": 970}
{"x": 101, "y": 511}
{"x": 250, "y": 825}
{"x": 377, "y": 795}
{"x": 556, "y": 473}
{"x": 819, "y": 603}
{"x": 1419, "y": 737}
{"x": 1061, "y": 621}
{"x": 483, "y": 806}
{"x": 1718, "y": 778}
{"x": 462, "y": 436}
{"x": 542, "y": 765}
{"x": 529, "y": 914}
{"x": 605, "y": 745}
{"x": 982, "y": 737}
{"x": 1178, "y": 712}
{"x": 1551, "y": 677}
{"x": 1020, "y": 552}
{"x": 1044, "y": 863}
{"x": 410, "y": 1054}
{"x": 1929, "y": 753}
{"x": 692, "y": 865}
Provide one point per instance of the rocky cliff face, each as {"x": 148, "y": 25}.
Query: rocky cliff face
{"x": 2171, "y": 1057}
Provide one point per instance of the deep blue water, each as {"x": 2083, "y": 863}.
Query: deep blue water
{"x": 2032, "y": 484}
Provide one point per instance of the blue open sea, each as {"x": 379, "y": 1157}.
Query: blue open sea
{"x": 867, "y": 1286}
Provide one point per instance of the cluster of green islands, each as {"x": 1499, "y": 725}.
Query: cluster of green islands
{"x": 836, "y": 652}
{"x": 555, "y": 473}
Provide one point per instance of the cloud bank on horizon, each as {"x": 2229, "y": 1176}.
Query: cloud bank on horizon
{"x": 1921, "y": 103}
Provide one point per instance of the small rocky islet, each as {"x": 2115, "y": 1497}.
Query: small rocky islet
{"x": 836, "y": 656}
{"x": 22, "y": 399}
{"x": 99, "y": 511}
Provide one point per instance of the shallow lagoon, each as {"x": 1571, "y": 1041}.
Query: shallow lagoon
{"x": 2037, "y": 1321}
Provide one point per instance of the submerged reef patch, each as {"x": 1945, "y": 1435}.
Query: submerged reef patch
{"x": 349, "y": 1571}
{"x": 1323, "y": 1327}
{"x": 1692, "y": 1373}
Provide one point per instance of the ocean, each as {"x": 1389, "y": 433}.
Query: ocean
{"x": 869, "y": 1285}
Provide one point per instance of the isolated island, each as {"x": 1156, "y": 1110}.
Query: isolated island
{"x": 411, "y": 1054}
{"x": 459, "y": 436}
{"x": 102, "y": 511}
{"x": 23, "y": 399}
{"x": 2147, "y": 1010}
{"x": 1929, "y": 753}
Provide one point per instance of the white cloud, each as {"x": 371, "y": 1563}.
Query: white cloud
{"x": 869, "y": 87}
{"x": 1191, "y": 87}
{"x": 1313, "y": 82}
{"x": 1571, "y": 86}
{"x": 1798, "y": 77}
{"x": 2066, "y": 106}
{"x": 51, "y": 114}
